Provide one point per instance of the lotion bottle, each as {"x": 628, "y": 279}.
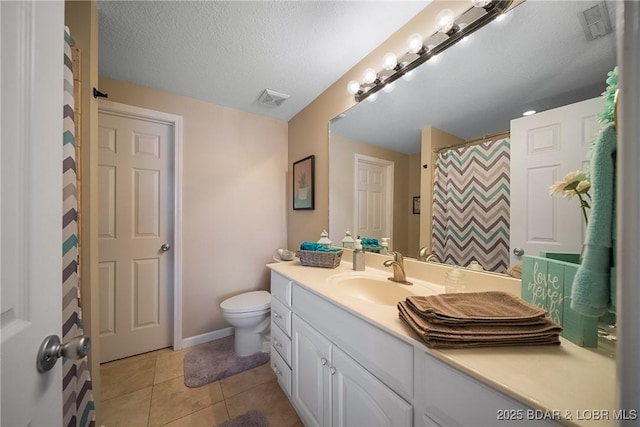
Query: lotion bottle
{"x": 358, "y": 256}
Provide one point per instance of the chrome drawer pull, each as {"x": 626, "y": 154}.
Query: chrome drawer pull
{"x": 276, "y": 343}
{"x": 277, "y": 315}
{"x": 323, "y": 361}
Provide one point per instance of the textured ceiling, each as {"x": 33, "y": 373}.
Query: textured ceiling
{"x": 538, "y": 58}
{"x": 227, "y": 52}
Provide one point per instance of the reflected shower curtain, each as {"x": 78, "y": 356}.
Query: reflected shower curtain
{"x": 78, "y": 405}
{"x": 471, "y": 206}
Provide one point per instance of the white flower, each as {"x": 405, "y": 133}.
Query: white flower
{"x": 567, "y": 185}
{"x": 583, "y": 186}
{"x": 574, "y": 184}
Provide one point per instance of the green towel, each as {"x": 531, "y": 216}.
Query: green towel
{"x": 317, "y": 247}
{"x": 592, "y": 285}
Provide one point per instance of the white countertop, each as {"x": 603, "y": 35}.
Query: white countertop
{"x": 578, "y": 382}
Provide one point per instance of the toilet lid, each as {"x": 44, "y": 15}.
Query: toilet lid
{"x": 250, "y": 301}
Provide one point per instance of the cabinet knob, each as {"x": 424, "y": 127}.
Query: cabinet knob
{"x": 276, "y": 370}
{"x": 332, "y": 370}
{"x": 323, "y": 361}
{"x": 277, "y": 315}
{"x": 277, "y": 343}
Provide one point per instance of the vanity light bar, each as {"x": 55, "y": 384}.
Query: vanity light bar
{"x": 410, "y": 61}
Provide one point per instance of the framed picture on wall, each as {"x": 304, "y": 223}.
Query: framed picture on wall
{"x": 304, "y": 183}
{"x": 416, "y": 204}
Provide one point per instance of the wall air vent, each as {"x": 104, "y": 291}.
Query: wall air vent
{"x": 271, "y": 98}
{"x": 595, "y": 21}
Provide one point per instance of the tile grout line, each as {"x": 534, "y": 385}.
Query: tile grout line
{"x": 153, "y": 389}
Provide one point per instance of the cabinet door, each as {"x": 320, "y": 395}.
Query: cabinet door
{"x": 361, "y": 399}
{"x": 311, "y": 376}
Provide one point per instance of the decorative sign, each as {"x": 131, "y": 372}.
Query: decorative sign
{"x": 546, "y": 282}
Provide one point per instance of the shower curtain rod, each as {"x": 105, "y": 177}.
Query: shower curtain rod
{"x": 474, "y": 141}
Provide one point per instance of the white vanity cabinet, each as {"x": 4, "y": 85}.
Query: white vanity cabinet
{"x": 349, "y": 364}
{"x": 281, "y": 330}
{"x": 328, "y": 387}
{"x": 331, "y": 389}
{"x": 447, "y": 397}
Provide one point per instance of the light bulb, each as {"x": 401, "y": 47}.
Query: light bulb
{"x": 414, "y": 43}
{"x": 370, "y": 75}
{"x": 389, "y": 61}
{"x": 353, "y": 87}
{"x": 409, "y": 75}
{"x": 480, "y": 3}
{"x": 529, "y": 113}
{"x": 445, "y": 20}
{"x": 389, "y": 87}
{"x": 372, "y": 97}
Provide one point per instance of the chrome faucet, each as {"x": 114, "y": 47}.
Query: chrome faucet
{"x": 397, "y": 263}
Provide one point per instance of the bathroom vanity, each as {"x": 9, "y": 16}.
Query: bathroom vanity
{"x": 346, "y": 361}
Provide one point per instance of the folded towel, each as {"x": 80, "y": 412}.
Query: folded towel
{"x": 478, "y": 332}
{"x": 317, "y": 247}
{"x": 369, "y": 242}
{"x": 591, "y": 291}
{"x": 439, "y": 336}
{"x": 492, "y": 307}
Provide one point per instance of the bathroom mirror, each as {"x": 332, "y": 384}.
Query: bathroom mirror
{"x": 538, "y": 57}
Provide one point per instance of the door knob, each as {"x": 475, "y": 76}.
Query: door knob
{"x": 518, "y": 251}
{"x": 165, "y": 247}
{"x": 51, "y": 350}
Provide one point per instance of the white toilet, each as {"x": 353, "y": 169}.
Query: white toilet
{"x": 248, "y": 313}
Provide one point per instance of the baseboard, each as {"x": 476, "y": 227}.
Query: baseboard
{"x": 209, "y": 336}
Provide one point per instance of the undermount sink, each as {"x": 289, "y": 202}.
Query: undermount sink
{"x": 379, "y": 289}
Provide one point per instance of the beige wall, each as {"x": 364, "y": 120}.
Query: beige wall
{"x": 234, "y": 208}
{"x": 82, "y": 19}
{"x": 433, "y": 139}
{"x": 309, "y": 129}
{"x": 413, "y": 221}
{"x": 341, "y": 186}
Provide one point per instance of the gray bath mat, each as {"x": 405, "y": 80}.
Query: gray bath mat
{"x": 249, "y": 419}
{"x": 216, "y": 360}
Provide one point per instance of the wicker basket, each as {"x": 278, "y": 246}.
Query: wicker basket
{"x": 320, "y": 259}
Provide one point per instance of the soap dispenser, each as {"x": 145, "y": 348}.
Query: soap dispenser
{"x": 384, "y": 246}
{"x": 358, "y": 256}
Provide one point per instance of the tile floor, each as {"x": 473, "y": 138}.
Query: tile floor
{"x": 148, "y": 390}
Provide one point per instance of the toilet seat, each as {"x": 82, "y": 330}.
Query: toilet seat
{"x": 247, "y": 302}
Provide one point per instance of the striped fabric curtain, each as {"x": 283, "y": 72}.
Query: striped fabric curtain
{"x": 78, "y": 409}
{"x": 471, "y": 206}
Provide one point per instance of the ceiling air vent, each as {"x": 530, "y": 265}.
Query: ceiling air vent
{"x": 595, "y": 21}
{"x": 271, "y": 98}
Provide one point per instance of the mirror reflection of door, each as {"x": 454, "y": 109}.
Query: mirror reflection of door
{"x": 373, "y": 197}
{"x": 545, "y": 147}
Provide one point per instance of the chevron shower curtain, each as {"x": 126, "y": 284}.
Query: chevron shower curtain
{"x": 78, "y": 406}
{"x": 471, "y": 206}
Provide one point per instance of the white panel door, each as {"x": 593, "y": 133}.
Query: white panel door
{"x": 31, "y": 58}
{"x": 135, "y": 187}
{"x": 544, "y": 148}
{"x": 374, "y": 199}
